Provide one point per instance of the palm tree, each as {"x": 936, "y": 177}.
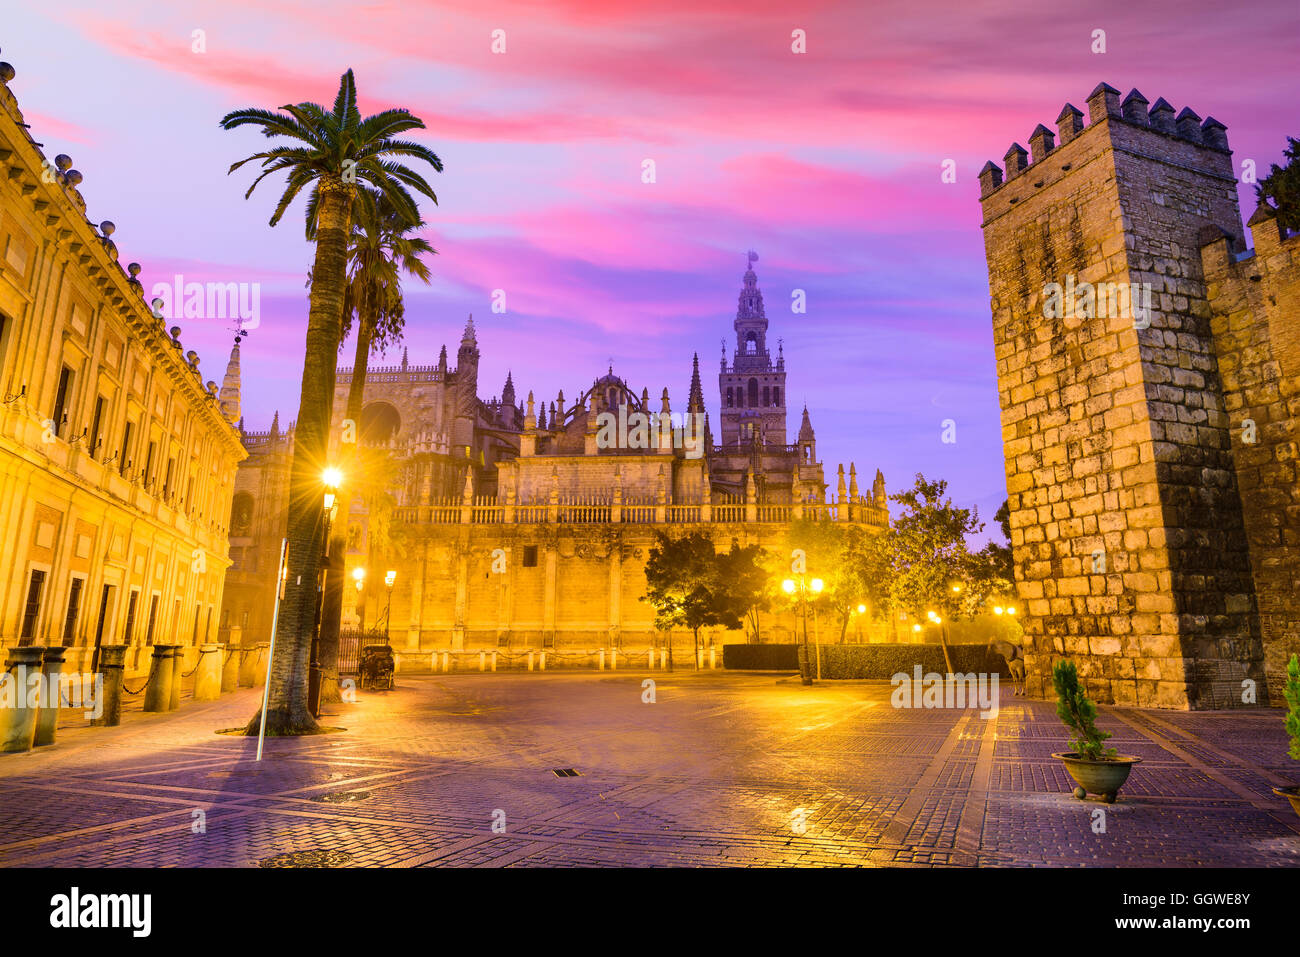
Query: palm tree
{"x": 380, "y": 250}
{"x": 331, "y": 151}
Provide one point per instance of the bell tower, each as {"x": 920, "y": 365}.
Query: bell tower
{"x": 752, "y": 390}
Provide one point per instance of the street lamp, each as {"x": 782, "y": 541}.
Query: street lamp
{"x": 331, "y": 478}
{"x": 389, "y": 578}
{"x": 801, "y": 588}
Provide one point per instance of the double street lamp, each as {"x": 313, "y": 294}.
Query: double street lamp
{"x": 800, "y": 588}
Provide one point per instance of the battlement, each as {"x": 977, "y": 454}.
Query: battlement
{"x": 1199, "y": 145}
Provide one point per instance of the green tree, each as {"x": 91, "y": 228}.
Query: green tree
{"x": 379, "y": 251}
{"x": 747, "y": 584}
{"x": 932, "y": 567}
{"x": 1282, "y": 186}
{"x": 330, "y": 152}
{"x": 686, "y": 585}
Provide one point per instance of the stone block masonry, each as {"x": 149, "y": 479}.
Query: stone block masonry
{"x": 1132, "y": 548}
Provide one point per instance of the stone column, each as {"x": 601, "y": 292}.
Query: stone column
{"x": 207, "y": 679}
{"x": 178, "y": 669}
{"x": 48, "y": 718}
{"x": 158, "y": 693}
{"x": 229, "y": 668}
{"x": 548, "y": 597}
{"x": 111, "y": 658}
{"x": 18, "y": 724}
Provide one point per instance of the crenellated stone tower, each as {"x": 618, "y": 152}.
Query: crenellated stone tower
{"x": 1128, "y": 537}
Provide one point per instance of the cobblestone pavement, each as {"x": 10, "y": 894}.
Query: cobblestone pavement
{"x": 722, "y": 769}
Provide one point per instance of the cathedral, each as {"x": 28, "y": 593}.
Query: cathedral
{"x": 516, "y": 524}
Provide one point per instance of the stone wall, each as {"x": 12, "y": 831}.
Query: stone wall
{"x": 1255, "y": 318}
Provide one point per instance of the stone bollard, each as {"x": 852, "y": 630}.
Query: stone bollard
{"x": 158, "y": 693}
{"x": 543, "y": 662}
{"x": 446, "y": 662}
{"x": 600, "y": 663}
{"x": 613, "y": 659}
{"x": 663, "y": 658}
{"x": 652, "y": 659}
{"x": 494, "y": 661}
{"x": 229, "y": 669}
{"x": 259, "y": 664}
{"x": 48, "y": 718}
{"x": 207, "y": 677}
{"x": 530, "y": 660}
{"x": 713, "y": 658}
{"x": 178, "y": 669}
{"x": 247, "y": 667}
{"x": 111, "y": 659}
{"x": 482, "y": 661}
{"x": 18, "y": 723}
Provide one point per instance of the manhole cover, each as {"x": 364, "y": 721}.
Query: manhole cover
{"x": 340, "y": 797}
{"x": 566, "y": 772}
{"x": 307, "y": 859}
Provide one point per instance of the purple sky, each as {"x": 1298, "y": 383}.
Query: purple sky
{"x": 827, "y": 163}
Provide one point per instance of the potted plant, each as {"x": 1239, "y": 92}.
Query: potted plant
{"x": 1096, "y": 768}
{"x": 1291, "y": 691}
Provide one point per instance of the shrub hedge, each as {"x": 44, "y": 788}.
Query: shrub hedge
{"x": 881, "y": 661}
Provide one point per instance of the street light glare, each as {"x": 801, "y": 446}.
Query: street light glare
{"x": 1011, "y": 611}
{"x": 997, "y": 609}
{"x": 331, "y": 477}
{"x": 787, "y": 586}
{"x": 862, "y": 609}
{"x": 359, "y": 574}
{"x": 817, "y": 585}
{"x": 390, "y": 578}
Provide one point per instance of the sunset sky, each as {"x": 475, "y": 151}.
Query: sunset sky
{"x": 827, "y": 163}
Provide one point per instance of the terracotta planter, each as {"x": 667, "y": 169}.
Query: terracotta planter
{"x": 1292, "y": 794}
{"x": 1103, "y": 778}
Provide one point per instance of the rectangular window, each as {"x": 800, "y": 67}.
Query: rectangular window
{"x": 61, "y": 401}
{"x": 128, "y": 633}
{"x": 74, "y": 607}
{"x": 95, "y": 437}
{"x": 530, "y": 556}
{"x": 167, "y": 477}
{"x": 32, "y": 609}
{"x": 124, "y": 457}
{"x": 153, "y": 619}
{"x": 148, "y": 464}
{"x": 195, "y": 639}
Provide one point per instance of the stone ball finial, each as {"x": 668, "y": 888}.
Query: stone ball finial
{"x": 62, "y": 162}
{"x": 73, "y": 177}
{"x": 133, "y": 269}
{"x": 6, "y": 72}
{"x": 175, "y": 332}
{"x": 211, "y": 387}
{"x": 107, "y": 227}
{"x": 192, "y": 358}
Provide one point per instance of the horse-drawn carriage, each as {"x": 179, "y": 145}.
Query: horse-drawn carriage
{"x": 376, "y": 667}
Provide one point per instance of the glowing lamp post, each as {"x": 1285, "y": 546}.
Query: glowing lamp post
{"x": 799, "y": 589}
{"x": 331, "y": 479}
{"x": 389, "y": 578}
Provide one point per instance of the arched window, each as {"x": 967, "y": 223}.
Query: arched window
{"x": 751, "y": 344}
{"x": 753, "y": 393}
{"x": 776, "y": 395}
{"x": 767, "y": 396}
{"x": 241, "y": 514}
{"x": 729, "y": 399}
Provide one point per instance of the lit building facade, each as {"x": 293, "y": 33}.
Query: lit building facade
{"x": 117, "y": 463}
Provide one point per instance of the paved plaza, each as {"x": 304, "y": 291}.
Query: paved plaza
{"x": 721, "y": 769}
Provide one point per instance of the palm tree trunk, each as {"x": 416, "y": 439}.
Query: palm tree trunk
{"x": 287, "y": 697}
{"x": 332, "y": 613}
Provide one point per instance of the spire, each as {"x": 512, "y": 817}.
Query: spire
{"x": 696, "y": 401}
{"x": 275, "y": 425}
{"x": 750, "y": 305}
{"x": 853, "y": 482}
{"x": 508, "y": 391}
{"x": 228, "y": 399}
{"x": 442, "y": 360}
{"x": 403, "y": 358}
{"x": 468, "y": 338}
{"x": 541, "y": 414}
{"x": 805, "y": 429}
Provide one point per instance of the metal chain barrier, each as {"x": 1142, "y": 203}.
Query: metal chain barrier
{"x": 127, "y": 691}
{"x": 197, "y": 663}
